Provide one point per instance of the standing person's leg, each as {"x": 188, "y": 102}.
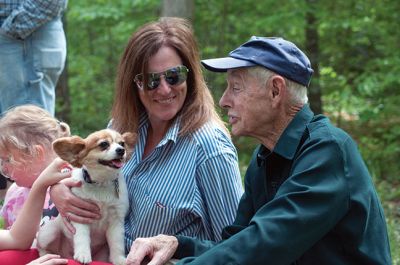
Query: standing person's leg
{"x": 30, "y": 68}
{"x": 13, "y": 77}
{"x": 48, "y": 56}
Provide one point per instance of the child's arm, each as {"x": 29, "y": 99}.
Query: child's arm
{"x": 23, "y": 231}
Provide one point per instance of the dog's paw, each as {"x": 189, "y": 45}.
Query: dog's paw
{"x": 120, "y": 260}
{"x": 83, "y": 257}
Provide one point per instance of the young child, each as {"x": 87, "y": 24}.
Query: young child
{"x": 27, "y": 133}
{"x": 26, "y": 136}
{"x": 23, "y": 231}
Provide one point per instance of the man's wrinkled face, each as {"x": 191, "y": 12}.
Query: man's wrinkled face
{"x": 246, "y": 102}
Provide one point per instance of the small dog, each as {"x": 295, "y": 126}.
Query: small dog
{"x": 97, "y": 161}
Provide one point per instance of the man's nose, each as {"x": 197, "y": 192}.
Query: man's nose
{"x": 224, "y": 101}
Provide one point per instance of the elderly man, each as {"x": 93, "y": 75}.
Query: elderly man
{"x": 309, "y": 198}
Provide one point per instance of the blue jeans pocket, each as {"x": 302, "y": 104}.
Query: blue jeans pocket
{"x": 48, "y": 62}
{"x": 51, "y": 59}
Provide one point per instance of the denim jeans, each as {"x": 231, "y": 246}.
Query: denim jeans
{"x": 30, "y": 68}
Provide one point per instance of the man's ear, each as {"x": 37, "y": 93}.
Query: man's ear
{"x": 278, "y": 88}
{"x": 70, "y": 149}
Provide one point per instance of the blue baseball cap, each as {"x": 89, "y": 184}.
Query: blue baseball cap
{"x": 278, "y": 55}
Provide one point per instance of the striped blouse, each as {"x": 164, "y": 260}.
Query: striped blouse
{"x": 188, "y": 185}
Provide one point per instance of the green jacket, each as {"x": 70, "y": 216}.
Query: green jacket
{"x": 309, "y": 201}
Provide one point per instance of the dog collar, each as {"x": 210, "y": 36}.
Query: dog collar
{"x": 87, "y": 179}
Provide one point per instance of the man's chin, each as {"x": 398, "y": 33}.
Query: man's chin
{"x": 235, "y": 131}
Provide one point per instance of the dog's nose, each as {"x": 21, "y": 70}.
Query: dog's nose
{"x": 120, "y": 151}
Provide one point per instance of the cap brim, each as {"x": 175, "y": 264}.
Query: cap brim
{"x": 224, "y": 64}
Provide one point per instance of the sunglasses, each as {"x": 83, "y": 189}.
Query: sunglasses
{"x": 173, "y": 76}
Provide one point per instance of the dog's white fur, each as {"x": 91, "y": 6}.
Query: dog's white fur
{"x": 104, "y": 239}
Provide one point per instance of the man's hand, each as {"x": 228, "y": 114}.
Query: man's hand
{"x": 158, "y": 250}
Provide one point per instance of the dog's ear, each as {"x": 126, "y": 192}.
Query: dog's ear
{"x": 130, "y": 140}
{"x": 70, "y": 149}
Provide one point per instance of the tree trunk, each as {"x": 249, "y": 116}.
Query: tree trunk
{"x": 63, "y": 99}
{"x": 178, "y": 8}
{"x": 312, "y": 50}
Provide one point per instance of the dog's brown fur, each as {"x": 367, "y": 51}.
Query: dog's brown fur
{"x": 101, "y": 155}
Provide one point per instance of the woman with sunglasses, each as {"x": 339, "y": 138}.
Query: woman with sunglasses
{"x": 183, "y": 176}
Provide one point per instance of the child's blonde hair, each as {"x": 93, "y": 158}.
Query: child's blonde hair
{"x": 25, "y": 126}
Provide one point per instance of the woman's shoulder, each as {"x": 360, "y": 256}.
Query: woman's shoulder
{"x": 211, "y": 131}
{"x": 212, "y": 137}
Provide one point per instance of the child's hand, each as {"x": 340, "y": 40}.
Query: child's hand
{"x": 53, "y": 174}
{"x": 48, "y": 259}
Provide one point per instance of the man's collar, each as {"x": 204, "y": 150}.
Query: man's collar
{"x": 291, "y": 136}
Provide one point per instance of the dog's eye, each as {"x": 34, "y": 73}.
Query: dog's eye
{"x": 122, "y": 144}
{"x": 104, "y": 145}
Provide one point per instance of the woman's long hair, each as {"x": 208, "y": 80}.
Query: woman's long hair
{"x": 176, "y": 33}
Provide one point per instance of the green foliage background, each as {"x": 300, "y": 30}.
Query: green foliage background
{"x": 359, "y": 65}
